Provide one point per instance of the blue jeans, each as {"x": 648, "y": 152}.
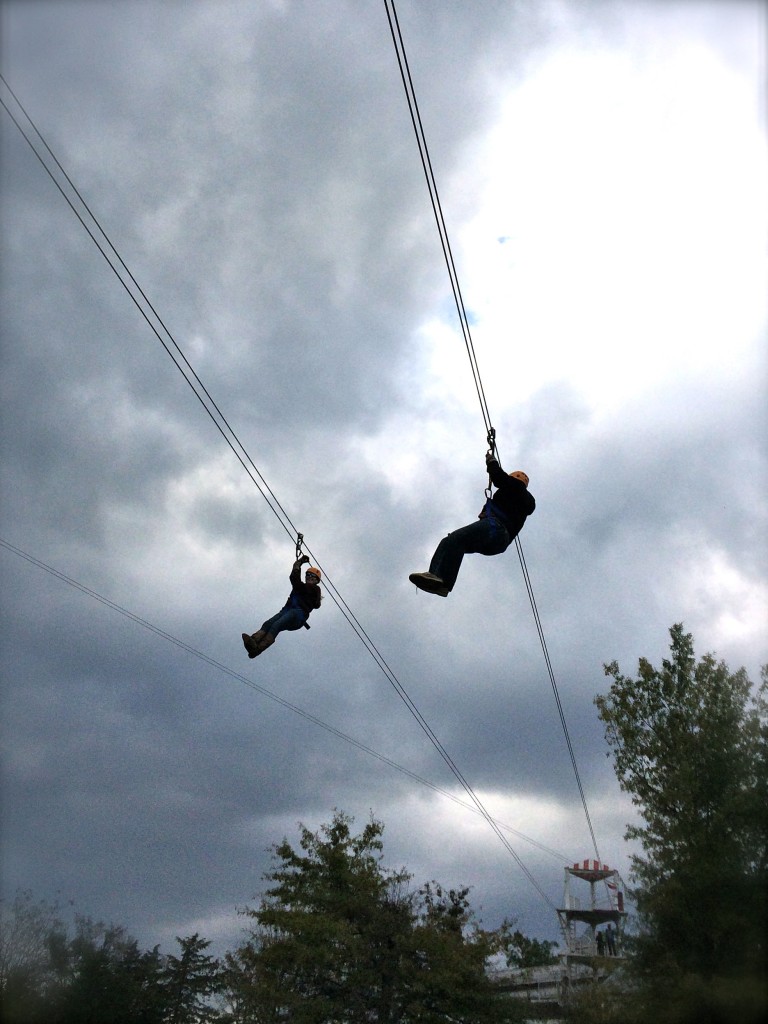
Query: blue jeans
{"x": 286, "y": 618}
{"x": 484, "y": 537}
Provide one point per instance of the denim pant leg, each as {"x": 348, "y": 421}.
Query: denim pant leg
{"x": 485, "y": 537}
{"x": 286, "y": 618}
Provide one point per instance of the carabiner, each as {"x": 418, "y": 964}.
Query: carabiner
{"x": 491, "y": 441}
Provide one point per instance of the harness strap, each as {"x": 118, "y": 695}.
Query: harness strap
{"x": 492, "y": 511}
{"x": 294, "y": 602}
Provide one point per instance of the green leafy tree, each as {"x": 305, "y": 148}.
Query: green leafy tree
{"x": 338, "y": 939}
{"x": 520, "y": 951}
{"x": 32, "y": 936}
{"x": 689, "y": 745}
{"x": 108, "y": 978}
{"x": 188, "y": 980}
{"x": 329, "y": 931}
{"x": 53, "y": 974}
{"x": 445, "y": 977}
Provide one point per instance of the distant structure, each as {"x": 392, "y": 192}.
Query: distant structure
{"x": 605, "y": 912}
{"x": 590, "y": 954}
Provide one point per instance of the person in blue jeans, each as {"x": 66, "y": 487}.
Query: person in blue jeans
{"x": 502, "y": 518}
{"x": 304, "y": 598}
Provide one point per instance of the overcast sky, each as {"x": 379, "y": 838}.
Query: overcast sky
{"x": 602, "y": 171}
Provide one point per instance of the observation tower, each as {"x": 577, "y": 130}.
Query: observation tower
{"x": 601, "y": 909}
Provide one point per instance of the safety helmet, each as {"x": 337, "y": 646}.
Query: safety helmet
{"x": 520, "y": 475}
{"x": 315, "y": 572}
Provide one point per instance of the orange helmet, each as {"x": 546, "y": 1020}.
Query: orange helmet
{"x": 311, "y": 570}
{"x": 520, "y": 475}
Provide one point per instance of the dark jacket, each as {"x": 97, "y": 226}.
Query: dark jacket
{"x": 511, "y": 503}
{"x": 302, "y": 595}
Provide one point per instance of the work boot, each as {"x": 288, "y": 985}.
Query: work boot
{"x": 429, "y": 582}
{"x": 250, "y": 645}
{"x": 264, "y": 643}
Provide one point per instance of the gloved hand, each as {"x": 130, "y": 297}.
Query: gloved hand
{"x": 304, "y": 559}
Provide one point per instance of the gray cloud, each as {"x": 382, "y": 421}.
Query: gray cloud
{"x": 255, "y": 167}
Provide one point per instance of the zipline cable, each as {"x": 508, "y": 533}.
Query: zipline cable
{"x": 413, "y": 107}
{"x": 146, "y": 624}
{"x": 221, "y": 423}
{"x": 234, "y": 443}
{"x": 426, "y": 163}
{"x": 553, "y": 682}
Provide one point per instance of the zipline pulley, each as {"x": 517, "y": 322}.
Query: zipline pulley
{"x": 299, "y": 542}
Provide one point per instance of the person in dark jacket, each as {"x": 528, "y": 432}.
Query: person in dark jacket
{"x": 303, "y": 599}
{"x": 500, "y": 521}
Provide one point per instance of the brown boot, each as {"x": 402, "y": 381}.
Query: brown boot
{"x": 266, "y": 642}
{"x": 249, "y": 645}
